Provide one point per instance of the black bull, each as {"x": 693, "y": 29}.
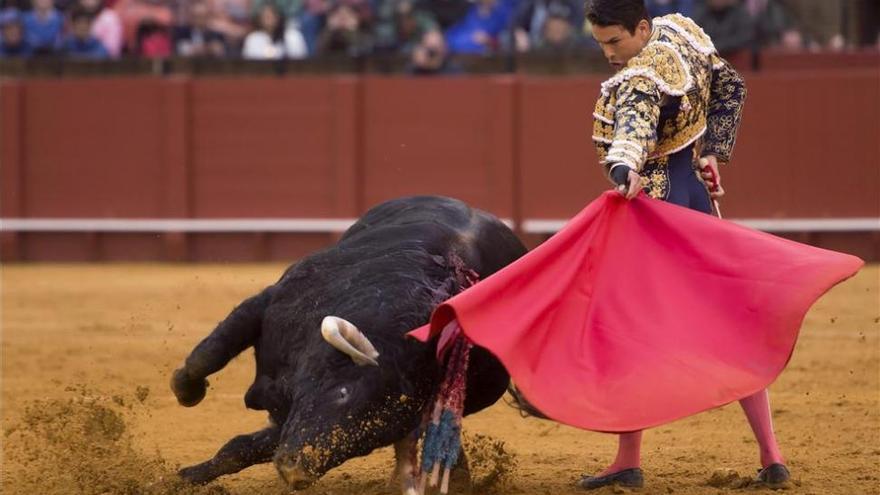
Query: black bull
{"x": 385, "y": 276}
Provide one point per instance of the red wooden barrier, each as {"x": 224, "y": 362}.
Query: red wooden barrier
{"x": 786, "y": 61}
{"x": 274, "y": 147}
{"x": 329, "y": 147}
{"x": 439, "y": 136}
{"x": 11, "y": 115}
{"x": 808, "y": 147}
{"x": 559, "y": 169}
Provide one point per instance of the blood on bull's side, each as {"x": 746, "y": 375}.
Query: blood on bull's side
{"x": 333, "y": 367}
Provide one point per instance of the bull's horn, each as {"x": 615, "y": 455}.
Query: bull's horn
{"x": 346, "y": 338}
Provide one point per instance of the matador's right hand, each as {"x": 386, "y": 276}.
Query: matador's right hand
{"x": 628, "y": 181}
{"x": 711, "y": 176}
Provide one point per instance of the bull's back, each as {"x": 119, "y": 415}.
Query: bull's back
{"x": 441, "y": 224}
{"x": 439, "y": 210}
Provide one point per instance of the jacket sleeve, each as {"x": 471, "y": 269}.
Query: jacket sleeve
{"x": 728, "y": 95}
{"x": 635, "y": 122}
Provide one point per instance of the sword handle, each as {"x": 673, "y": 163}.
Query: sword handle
{"x": 712, "y": 184}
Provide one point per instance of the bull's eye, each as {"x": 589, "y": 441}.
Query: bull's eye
{"x": 342, "y": 396}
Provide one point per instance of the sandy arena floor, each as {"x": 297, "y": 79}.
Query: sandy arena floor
{"x": 87, "y": 351}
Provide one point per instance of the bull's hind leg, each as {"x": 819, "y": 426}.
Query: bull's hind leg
{"x": 232, "y": 336}
{"x": 240, "y": 452}
{"x": 406, "y": 457}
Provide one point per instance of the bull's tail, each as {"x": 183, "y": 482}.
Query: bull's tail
{"x": 521, "y": 404}
{"x": 232, "y": 336}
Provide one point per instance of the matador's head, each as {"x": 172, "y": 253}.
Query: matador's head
{"x": 621, "y": 27}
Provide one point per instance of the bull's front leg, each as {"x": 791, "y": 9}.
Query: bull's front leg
{"x": 407, "y": 473}
{"x": 240, "y": 452}
{"x": 232, "y": 336}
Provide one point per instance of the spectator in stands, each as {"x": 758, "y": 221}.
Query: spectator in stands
{"x": 146, "y": 25}
{"x": 196, "y": 38}
{"x": 401, "y": 25}
{"x": 290, "y": 9}
{"x": 562, "y": 31}
{"x": 861, "y": 21}
{"x": 729, "y": 25}
{"x": 312, "y": 19}
{"x": 478, "y": 31}
{"x": 306, "y": 16}
{"x": 430, "y": 57}
{"x": 773, "y": 26}
{"x": 13, "y": 42}
{"x": 657, "y": 8}
{"x": 80, "y": 43}
{"x": 43, "y": 27}
{"x": 531, "y": 16}
{"x": 106, "y": 25}
{"x": 445, "y": 12}
{"x": 232, "y": 18}
{"x": 273, "y": 38}
{"x": 19, "y": 5}
{"x": 152, "y": 39}
{"x": 820, "y": 21}
{"x": 347, "y": 30}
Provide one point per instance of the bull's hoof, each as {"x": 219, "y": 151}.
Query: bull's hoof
{"x": 196, "y": 475}
{"x": 188, "y": 392}
{"x": 460, "y": 480}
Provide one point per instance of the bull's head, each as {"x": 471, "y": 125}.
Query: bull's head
{"x": 352, "y": 408}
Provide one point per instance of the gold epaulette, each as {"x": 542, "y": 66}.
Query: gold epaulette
{"x": 689, "y": 30}
{"x": 659, "y": 62}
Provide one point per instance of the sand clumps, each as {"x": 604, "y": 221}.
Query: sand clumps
{"x": 82, "y": 443}
{"x": 490, "y": 462}
{"x": 728, "y": 478}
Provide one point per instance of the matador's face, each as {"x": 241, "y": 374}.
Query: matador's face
{"x": 619, "y": 45}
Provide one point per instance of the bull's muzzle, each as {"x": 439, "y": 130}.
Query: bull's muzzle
{"x": 295, "y": 475}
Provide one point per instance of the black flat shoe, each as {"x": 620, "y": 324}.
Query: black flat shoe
{"x": 628, "y": 478}
{"x": 774, "y": 475}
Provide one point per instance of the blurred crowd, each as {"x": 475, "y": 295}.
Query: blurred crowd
{"x": 428, "y": 31}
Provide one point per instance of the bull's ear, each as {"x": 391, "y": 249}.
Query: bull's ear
{"x": 346, "y": 338}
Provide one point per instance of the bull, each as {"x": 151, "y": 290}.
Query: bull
{"x": 334, "y": 369}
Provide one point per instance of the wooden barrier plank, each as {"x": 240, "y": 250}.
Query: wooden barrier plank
{"x": 808, "y": 147}
{"x": 438, "y": 136}
{"x": 560, "y": 173}
{"x": 346, "y": 162}
{"x": 11, "y": 164}
{"x": 177, "y": 162}
{"x": 93, "y": 148}
{"x": 267, "y": 148}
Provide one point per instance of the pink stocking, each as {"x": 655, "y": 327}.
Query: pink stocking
{"x": 628, "y": 453}
{"x": 757, "y": 409}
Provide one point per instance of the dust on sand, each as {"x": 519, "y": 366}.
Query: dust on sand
{"x": 81, "y": 444}
{"x": 119, "y": 330}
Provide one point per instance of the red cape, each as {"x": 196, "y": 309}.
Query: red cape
{"x": 641, "y": 312}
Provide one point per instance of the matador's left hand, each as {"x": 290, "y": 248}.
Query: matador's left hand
{"x": 710, "y": 174}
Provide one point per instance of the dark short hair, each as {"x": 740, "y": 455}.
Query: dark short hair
{"x": 80, "y": 14}
{"x": 626, "y": 13}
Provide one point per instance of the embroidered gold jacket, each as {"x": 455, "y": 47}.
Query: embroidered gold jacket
{"x": 676, "y": 92}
